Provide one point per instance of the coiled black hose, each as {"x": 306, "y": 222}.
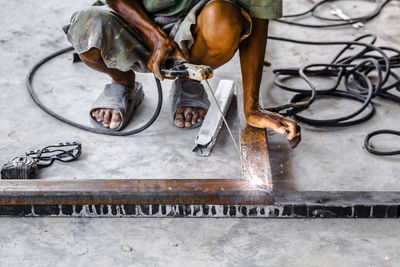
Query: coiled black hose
{"x": 372, "y": 150}
{"x": 354, "y": 71}
{"x": 29, "y": 86}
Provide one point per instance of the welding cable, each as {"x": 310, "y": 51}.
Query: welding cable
{"x": 296, "y": 106}
{"x": 348, "y": 70}
{"x": 312, "y": 11}
{"x": 29, "y": 86}
{"x": 372, "y": 150}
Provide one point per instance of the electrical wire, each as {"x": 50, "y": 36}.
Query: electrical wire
{"x": 312, "y": 11}
{"x": 372, "y": 150}
{"x": 356, "y": 71}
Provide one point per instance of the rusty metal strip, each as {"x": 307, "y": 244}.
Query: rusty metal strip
{"x": 217, "y": 191}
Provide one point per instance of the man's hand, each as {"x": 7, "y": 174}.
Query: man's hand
{"x": 264, "y": 119}
{"x": 164, "y": 49}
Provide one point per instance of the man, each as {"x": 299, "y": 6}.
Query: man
{"x": 125, "y": 36}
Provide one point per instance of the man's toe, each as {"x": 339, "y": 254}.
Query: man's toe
{"x": 115, "y": 120}
{"x": 188, "y": 117}
{"x": 179, "y": 119}
{"x": 107, "y": 118}
{"x": 100, "y": 116}
{"x": 202, "y": 113}
{"x": 195, "y": 117}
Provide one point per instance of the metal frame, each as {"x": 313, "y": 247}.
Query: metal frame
{"x": 139, "y": 192}
{"x": 253, "y": 196}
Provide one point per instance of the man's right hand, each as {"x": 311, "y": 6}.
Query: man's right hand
{"x": 164, "y": 49}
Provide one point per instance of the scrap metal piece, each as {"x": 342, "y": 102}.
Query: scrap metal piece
{"x": 212, "y": 123}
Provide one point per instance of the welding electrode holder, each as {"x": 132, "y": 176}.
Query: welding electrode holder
{"x": 178, "y": 69}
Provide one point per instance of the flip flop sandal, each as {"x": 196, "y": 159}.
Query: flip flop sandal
{"x": 120, "y": 98}
{"x": 188, "y": 94}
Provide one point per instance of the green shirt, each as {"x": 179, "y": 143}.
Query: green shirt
{"x": 263, "y": 9}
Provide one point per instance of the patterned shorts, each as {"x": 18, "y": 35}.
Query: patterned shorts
{"x": 120, "y": 44}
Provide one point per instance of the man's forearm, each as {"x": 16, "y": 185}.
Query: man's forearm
{"x": 252, "y": 52}
{"x": 133, "y": 12}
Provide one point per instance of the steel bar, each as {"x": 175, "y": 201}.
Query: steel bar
{"x": 155, "y": 191}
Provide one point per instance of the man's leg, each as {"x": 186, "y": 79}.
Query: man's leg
{"x": 217, "y": 36}
{"x": 110, "y": 118}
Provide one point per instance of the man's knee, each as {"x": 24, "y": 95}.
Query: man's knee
{"x": 91, "y": 19}
{"x": 88, "y": 26}
{"x": 219, "y": 24}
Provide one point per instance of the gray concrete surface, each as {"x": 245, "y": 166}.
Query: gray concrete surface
{"x": 326, "y": 160}
{"x": 198, "y": 242}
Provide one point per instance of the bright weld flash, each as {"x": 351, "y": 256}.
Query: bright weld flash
{"x": 257, "y": 181}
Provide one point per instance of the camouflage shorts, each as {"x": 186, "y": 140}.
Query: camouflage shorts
{"x": 120, "y": 44}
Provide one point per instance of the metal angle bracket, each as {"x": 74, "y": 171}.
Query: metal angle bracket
{"x": 212, "y": 123}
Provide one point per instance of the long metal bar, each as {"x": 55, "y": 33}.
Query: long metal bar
{"x": 140, "y": 192}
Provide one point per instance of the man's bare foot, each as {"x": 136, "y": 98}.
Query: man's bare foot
{"x": 189, "y": 116}
{"x": 108, "y": 117}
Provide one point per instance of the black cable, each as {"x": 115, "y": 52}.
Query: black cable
{"x": 312, "y": 11}
{"x": 29, "y": 86}
{"x": 355, "y": 72}
{"x": 343, "y": 69}
{"x": 372, "y": 150}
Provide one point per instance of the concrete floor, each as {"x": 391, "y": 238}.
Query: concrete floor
{"x": 326, "y": 160}
{"x": 198, "y": 242}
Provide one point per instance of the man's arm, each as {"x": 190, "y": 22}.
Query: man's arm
{"x": 162, "y": 47}
{"x": 252, "y": 53}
